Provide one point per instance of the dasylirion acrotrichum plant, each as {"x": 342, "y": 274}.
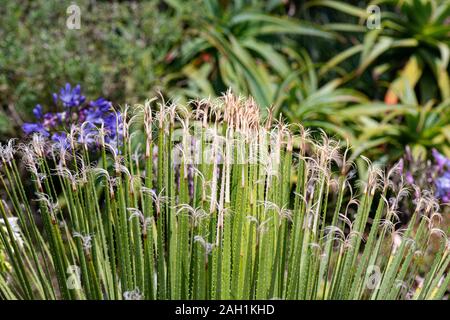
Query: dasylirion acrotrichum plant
{"x": 212, "y": 200}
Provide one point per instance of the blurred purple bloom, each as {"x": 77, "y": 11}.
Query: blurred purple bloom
{"x": 93, "y": 115}
{"x": 51, "y": 120}
{"x": 88, "y": 134}
{"x": 440, "y": 159}
{"x": 59, "y": 136}
{"x": 430, "y": 175}
{"x": 30, "y": 128}
{"x": 71, "y": 97}
{"x": 443, "y": 187}
{"x": 37, "y": 111}
{"x": 61, "y": 139}
{"x": 409, "y": 177}
{"x": 102, "y": 104}
{"x": 401, "y": 165}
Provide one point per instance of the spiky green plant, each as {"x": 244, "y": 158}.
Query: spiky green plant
{"x": 232, "y": 207}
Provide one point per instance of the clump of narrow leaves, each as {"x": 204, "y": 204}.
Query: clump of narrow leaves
{"x": 215, "y": 203}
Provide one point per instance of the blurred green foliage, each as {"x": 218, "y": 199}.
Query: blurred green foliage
{"x": 409, "y": 49}
{"x": 316, "y": 62}
{"x": 119, "y": 52}
{"x": 406, "y": 60}
{"x": 319, "y": 64}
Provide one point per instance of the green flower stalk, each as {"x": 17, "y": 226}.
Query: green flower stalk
{"x": 234, "y": 206}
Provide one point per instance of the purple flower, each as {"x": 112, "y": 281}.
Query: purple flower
{"x": 37, "y": 111}
{"x": 431, "y": 175}
{"x": 401, "y": 165}
{"x": 409, "y": 177}
{"x": 443, "y": 187}
{"x": 30, "y": 128}
{"x": 60, "y": 139}
{"x": 102, "y": 104}
{"x": 440, "y": 159}
{"x": 90, "y": 117}
{"x": 88, "y": 135}
{"x": 51, "y": 120}
{"x": 71, "y": 97}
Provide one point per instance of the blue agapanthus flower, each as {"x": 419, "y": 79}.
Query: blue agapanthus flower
{"x": 434, "y": 174}
{"x": 70, "y": 97}
{"x": 441, "y": 160}
{"x": 442, "y": 181}
{"x": 72, "y": 110}
{"x": 30, "y": 128}
{"x": 443, "y": 187}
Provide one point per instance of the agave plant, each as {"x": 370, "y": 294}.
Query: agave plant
{"x": 231, "y": 45}
{"x": 273, "y": 213}
{"x": 411, "y": 45}
{"x": 391, "y": 127}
